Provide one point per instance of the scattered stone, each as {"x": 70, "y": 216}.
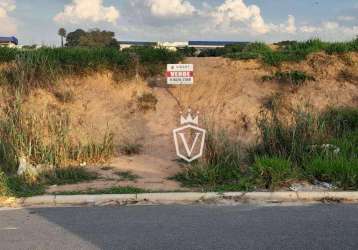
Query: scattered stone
{"x": 328, "y": 147}
{"x": 324, "y": 184}
{"x": 27, "y": 168}
{"x": 308, "y": 187}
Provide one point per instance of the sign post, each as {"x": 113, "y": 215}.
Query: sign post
{"x": 180, "y": 74}
{"x": 189, "y": 139}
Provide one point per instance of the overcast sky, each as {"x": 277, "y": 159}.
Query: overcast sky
{"x": 37, "y": 21}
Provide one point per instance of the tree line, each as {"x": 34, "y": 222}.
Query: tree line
{"x": 94, "y": 38}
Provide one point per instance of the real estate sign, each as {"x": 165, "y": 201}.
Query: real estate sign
{"x": 180, "y": 74}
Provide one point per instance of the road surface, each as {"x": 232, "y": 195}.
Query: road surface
{"x": 181, "y": 227}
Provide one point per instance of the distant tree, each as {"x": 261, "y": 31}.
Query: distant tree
{"x": 62, "y": 33}
{"x": 188, "y": 51}
{"x": 73, "y": 38}
{"x": 93, "y": 39}
{"x": 98, "y": 38}
{"x": 29, "y": 46}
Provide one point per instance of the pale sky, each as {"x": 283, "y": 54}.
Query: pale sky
{"x": 37, "y": 21}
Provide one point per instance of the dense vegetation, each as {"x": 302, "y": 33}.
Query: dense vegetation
{"x": 45, "y": 66}
{"x": 310, "y": 147}
{"x": 43, "y": 139}
{"x": 289, "y": 77}
{"x": 286, "y": 52}
{"x": 94, "y": 38}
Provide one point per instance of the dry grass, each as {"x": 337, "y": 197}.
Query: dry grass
{"x": 228, "y": 93}
{"x": 349, "y": 75}
{"x": 43, "y": 138}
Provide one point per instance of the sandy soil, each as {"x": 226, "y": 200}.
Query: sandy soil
{"x": 157, "y": 161}
{"x": 229, "y": 94}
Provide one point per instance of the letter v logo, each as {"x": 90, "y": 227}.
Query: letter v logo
{"x": 189, "y": 152}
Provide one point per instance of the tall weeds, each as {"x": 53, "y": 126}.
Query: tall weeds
{"x": 44, "y": 139}
{"x": 42, "y": 67}
{"x": 288, "y": 139}
{"x": 220, "y": 164}
{"x": 293, "y": 51}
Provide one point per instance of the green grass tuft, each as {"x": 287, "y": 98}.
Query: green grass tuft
{"x": 291, "y": 77}
{"x": 220, "y": 164}
{"x": 340, "y": 120}
{"x": 272, "y": 172}
{"x": 68, "y": 175}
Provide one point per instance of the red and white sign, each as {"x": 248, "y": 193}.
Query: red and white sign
{"x": 180, "y": 74}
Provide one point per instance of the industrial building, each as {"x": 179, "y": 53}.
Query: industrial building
{"x": 199, "y": 45}
{"x": 10, "y": 42}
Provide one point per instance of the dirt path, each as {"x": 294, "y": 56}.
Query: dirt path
{"x": 157, "y": 161}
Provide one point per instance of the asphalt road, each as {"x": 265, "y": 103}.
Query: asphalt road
{"x": 181, "y": 227}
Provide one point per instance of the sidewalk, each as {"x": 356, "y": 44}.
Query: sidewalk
{"x": 182, "y": 198}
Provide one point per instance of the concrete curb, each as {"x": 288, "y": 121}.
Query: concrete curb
{"x": 184, "y": 198}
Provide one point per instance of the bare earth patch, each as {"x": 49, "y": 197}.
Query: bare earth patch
{"x": 227, "y": 93}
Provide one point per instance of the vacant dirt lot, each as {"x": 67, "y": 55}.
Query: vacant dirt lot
{"x": 229, "y": 94}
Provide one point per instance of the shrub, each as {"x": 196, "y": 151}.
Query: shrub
{"x": 188, "y": 51}
{"x": 235, "y": 48}
{"x": 257, "y": 47}
{"x": 340, "y": 171}
{"x": 212, "y": 52}
{"x": 250, "y": 51}
{"x": 276, "y": 58}
{"x": 291, "y": 77}
{"x": 288, "y": 139}
{"x": 20, "y": 187}
{"x": 220, "y": 164}
{"x": 272, "y": 172}
{"x": 340, "y": 120}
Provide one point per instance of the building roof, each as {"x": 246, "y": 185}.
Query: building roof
{"x": 214, "y": 43}
{"x": 10, "y": 39}
{"x": 138, "y": 43}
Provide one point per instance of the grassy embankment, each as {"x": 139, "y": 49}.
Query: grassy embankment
{"x": 308, "y": 147}
{"x": 320, "y": 147}
{"x": 43, "y": 139}
{"x": 311, "y": 146}
{"x": 288, "y": 52}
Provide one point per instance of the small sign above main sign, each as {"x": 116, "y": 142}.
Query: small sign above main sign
{"x": 180, "y": 74}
